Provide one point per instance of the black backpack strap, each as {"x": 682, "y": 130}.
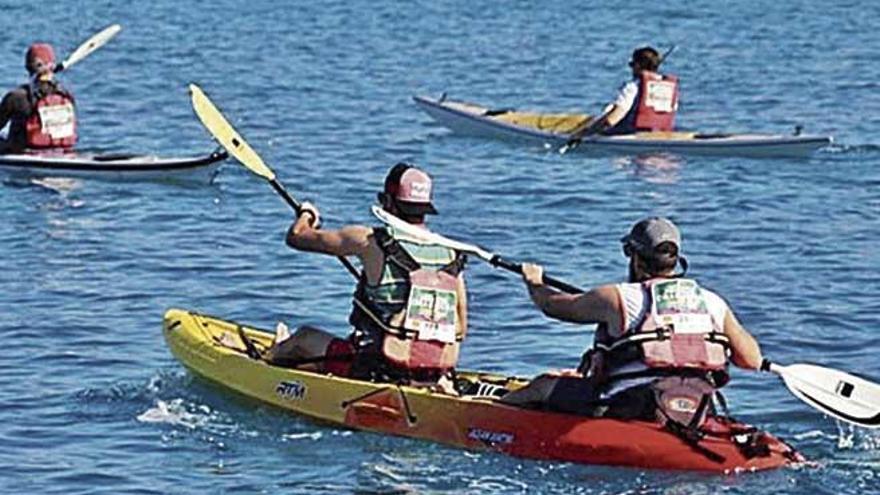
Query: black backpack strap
{"x": 457, "y": 265}
{"x": 393, "y": 251}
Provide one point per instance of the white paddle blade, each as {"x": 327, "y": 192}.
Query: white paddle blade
{"x": 91, "y": 44}
{"x": 838, "y": 394}
{"x": 226, "y": 135}
{"x": 420, "y": 232}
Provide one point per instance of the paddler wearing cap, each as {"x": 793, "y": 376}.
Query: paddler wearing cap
{"x": 409, "y": 308}
{"x": 662, "y": 344}
{"x": 41, "y": 113}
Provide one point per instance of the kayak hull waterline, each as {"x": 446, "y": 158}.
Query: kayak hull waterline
{"x": 556, "y": 129}
{"x": 111, "y": 166}
{"x": 213, "y": 349}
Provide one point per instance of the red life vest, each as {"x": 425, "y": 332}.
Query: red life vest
{"x": 420, "y": 332}
{"x": 52, "y": 123}
{"x": 658, "y": 102}
{"x": 677, "y": 333}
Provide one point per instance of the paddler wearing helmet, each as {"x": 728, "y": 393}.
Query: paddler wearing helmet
{"x": 647, "y": 102}
{"x": 409, "y": 311}
{"x": 662, "y": 345}
{"x": 41, "y": 113}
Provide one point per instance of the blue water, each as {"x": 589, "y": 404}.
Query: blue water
{"x": 91, "y": 401}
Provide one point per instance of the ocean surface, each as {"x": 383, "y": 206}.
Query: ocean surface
{"x": 91, "y": 400}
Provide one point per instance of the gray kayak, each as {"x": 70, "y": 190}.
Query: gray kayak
{"x": 555, "y": 129}
{"x": 111, "y": 166}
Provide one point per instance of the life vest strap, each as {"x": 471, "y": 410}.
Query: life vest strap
{"x": 658, "y": 335}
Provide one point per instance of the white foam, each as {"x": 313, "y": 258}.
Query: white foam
{"x": 173, "y": 413}
{"x": 300, "y": 436}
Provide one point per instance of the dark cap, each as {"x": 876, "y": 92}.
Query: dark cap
{"x": 649, "y": 233}
{"x": 411, "y": 189}
{"x": 647, "y": 57}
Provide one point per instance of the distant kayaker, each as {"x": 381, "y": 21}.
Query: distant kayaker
{"x": 41, "y": 113}
{"x": 647, "y": 102}
{"x": 410, "y": 305}
{"x": 662, "y": 344}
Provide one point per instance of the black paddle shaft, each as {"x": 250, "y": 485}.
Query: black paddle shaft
{"x": 298, "y": 209}
{"x": 517, "y": 268}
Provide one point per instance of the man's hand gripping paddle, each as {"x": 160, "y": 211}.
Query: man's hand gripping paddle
{"x": 833, "y": 392}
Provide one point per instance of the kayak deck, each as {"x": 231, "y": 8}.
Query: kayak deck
{"x": 215, "y": 350}
{"x": 555, "y": 129}
{"x": 118, "y": 166}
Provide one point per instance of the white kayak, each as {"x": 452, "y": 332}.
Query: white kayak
{"x": 111, "y": 166}
{"x": 556, "y": 129}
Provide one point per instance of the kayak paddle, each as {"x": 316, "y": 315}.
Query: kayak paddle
{"x": 577, "y": 139}
{"x": 492, "y": 258}
{"x": 226, "y": 135}
{"x": 838, "y": 394}
{"x": 835, "y": 393}
{"x": 89, "y": 46}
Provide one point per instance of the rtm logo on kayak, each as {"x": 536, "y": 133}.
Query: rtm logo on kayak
{"x": 491, "y": 437}
{"x": 291, "y": 390}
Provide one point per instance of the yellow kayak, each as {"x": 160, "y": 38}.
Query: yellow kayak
{"x": 227, "y": 353}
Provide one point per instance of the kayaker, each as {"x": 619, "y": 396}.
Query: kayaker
{"x": 647, "y": 102}
{"x": 410, "y": 304}
{"x": 40, "y": 113}
{"x": 662, "y": 344}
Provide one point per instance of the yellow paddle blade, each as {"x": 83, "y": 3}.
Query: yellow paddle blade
{"x": 225, "y": 134}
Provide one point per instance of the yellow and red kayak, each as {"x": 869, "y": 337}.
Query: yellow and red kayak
{"x": 217, "y": 351}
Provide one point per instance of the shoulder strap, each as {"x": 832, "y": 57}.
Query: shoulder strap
{"x": 648, "y": 304}
{"x": 393, "y": 251}
{"x": 33, "y": 92}
{"x": 457, "y": 265}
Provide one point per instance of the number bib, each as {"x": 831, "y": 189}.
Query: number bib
{"x": 680, "y": 304}
{"x": 660, "y": 95}
{"x": 431, "y": 307}
{"x": 57, "y": 121}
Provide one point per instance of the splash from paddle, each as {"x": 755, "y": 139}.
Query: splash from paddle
{"x": 492, "y": 258}
{"x": 231, "y": 140}
{"x": 89, "y": 46}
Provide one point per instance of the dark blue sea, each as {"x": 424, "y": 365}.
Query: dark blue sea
{"x": 91, "y": 400}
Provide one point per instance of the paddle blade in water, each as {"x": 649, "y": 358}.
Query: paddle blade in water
{"x": 838, "y": 394}
{"x": 90, "y": 45}
{"x": 226, "y": 135}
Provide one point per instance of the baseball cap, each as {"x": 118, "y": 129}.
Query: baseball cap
{"x": 649, "y": 233}
{"x": 40, "y": 56}
{"x": 411, "y": 189}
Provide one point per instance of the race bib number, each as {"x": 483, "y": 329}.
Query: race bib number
{"x": 660, "y": 96}
{"x": 431, "y": 307}
{"x": 680, "y": 304}
{"x": 57, "y": 120}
